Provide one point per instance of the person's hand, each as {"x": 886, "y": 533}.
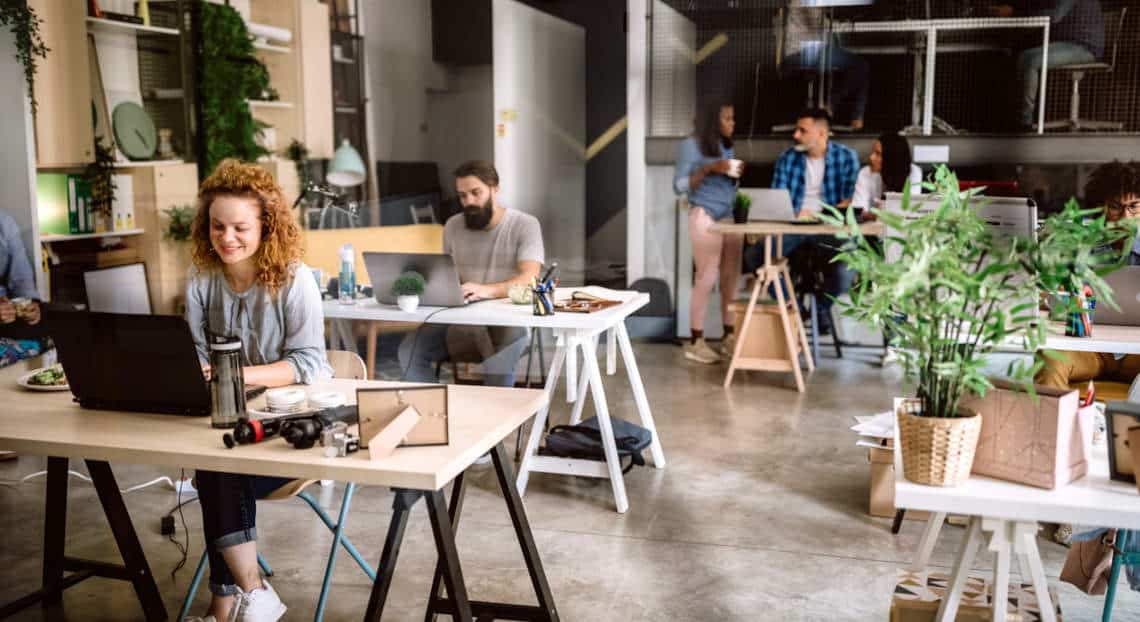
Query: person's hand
{"x": 807, "y": 214}
{"x": 32, "y": 313}
{"x": 207, "y": 372}
{"x": 720, "y": 167}
{"x": 7, "y": 311}
{"x": 476, "y": 291}
{"x": 1000, "y": 10}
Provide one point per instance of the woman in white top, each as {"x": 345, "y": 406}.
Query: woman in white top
{"x": 889, "y": 170}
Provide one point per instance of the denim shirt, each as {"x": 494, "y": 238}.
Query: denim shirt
{"x": 717, "y": 192}
{"x": 16, "y": 277}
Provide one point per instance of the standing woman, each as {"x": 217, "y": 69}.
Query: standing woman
{"x": 705, "y": 172}
{"x": 248, "y": 282}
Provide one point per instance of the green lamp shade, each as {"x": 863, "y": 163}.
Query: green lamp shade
{"x": 347, "y": 168}
{"x": 134, "y": 131}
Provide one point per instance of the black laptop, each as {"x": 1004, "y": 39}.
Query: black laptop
{"x": 140, "y": 363}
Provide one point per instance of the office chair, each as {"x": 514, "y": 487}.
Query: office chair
{"x": 1077, "y": 72}
{"x": 423, "y": 214}
{"x": 345, "y": 365}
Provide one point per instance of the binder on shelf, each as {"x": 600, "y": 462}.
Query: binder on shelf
{"x": 51, "y": 203}
{"x": 74, "y": 223}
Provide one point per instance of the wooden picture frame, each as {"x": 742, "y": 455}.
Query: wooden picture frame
{"x": 1119, "y": 417}
{"x": 379, "y": 407}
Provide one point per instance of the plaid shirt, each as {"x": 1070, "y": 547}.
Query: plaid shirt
{"x": 840, "y": 170}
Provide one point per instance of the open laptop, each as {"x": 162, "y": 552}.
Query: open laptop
{"x": 441, "y": 287}
{"x": 1125, "y": 284}
{"x": 139, "y": 363}
{"x": 771, "y": 205}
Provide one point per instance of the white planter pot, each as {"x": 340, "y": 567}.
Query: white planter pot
{"x": 408, "y": 304}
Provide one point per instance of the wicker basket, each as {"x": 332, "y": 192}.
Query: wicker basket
{"x": 936, "y": 451}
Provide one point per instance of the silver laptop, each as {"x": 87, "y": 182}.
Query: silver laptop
{"x": 442, "y": 280}
{"x": 770, "y": 204}
{"x": 1125, "y": 284}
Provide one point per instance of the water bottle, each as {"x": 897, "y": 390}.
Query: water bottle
{"x": 227, "y": 382}
{"x": 347, "y": 275}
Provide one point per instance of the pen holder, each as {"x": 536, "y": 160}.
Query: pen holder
{"x": 1080, "y": 322}
{"x": 543, "y": 299}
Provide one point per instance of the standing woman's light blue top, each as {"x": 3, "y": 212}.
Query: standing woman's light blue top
{"x": 286, "y": 326}
{"x": 716, "y": 193}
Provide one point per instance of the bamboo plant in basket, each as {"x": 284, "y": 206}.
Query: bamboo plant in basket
{"x": 948, "y": 291}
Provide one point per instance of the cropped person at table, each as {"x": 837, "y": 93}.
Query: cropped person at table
{"x": 816, "y": 171}
{"x": 17, "y": 280}
{"x": 1076, "y": 35}
{"x": 494, "y": 247}
{"x": 248, "y": 281}
{"x": 1115, "y": 186}
{"x": 889, "y": 169}
{"x": 704, "y": 166}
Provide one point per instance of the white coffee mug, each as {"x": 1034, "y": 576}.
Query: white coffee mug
{"x": 735, "y": 168}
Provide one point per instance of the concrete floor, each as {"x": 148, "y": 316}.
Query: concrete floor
{"x": 760, "y": 515}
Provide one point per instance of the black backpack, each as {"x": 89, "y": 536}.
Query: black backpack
{"x": 585, "y": 441}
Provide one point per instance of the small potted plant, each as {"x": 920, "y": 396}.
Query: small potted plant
{"x": 407, "y": 289}
{"x": 740, "y": 206}
{"x": 1077, "y": 248}
{"x": 947, "y": 290}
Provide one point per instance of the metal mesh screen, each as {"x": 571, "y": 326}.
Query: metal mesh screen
{"x": 732, "y": 48}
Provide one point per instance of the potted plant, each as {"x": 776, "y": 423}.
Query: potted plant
{"x": 407, "y": 289}
{"x": 1077, "y": 248}
{"x": 946, "y": 289}
{"x": 740, "y": 206}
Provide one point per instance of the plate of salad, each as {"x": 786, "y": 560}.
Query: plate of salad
{"x": 49, "y": 378}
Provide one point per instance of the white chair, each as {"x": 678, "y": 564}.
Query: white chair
{"x": 1075, "y": 123}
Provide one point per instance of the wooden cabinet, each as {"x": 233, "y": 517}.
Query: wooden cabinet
{"x": 157, "y": 188}
{"x": 65, "y": 136}
{"x": 300, "y": 72}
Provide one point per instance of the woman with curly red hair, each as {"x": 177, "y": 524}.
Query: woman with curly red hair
{"x": 248, "y": 282}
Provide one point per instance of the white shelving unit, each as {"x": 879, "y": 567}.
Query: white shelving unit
{"x": 55, "y": 237}
{"x": 111, "y": 24}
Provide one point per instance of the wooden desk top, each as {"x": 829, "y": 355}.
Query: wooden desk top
{"x": 51, "y": 424}
{"x": 758, "y": 227}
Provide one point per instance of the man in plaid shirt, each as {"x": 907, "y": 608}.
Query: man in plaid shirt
{"x": 815, "y": 172}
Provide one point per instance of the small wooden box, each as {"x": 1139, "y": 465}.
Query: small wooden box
{"x": 765, "y": 338}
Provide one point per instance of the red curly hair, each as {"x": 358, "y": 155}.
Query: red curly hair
{"x": 281, "y": 246}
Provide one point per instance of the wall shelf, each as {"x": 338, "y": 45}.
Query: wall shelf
{"x": 111, "y": 24}
{"x": 258, "y": 103}
{"x": 268, "y": 47}
{"x": 147, "y": 163}
{"x": 56, "y": 237}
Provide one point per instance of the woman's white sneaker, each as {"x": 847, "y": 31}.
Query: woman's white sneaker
{"x": 261, "y": 605}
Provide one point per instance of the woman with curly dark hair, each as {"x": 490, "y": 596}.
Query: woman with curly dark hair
{"x": 248, "y": 282}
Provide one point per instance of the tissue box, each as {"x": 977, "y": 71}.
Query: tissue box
{"x": 918, "y": 595}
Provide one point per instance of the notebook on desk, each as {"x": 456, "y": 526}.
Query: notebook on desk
{"x": 137, "y": 363}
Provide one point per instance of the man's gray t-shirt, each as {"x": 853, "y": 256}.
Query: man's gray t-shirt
{"x": 493, "y": 256}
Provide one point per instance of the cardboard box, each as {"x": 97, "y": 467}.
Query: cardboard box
{"x": 918, "y": 595}
{"x": 882, "y": 497}
{"x": 1033, "y": 442}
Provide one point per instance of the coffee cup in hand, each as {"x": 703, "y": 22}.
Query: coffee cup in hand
{"x": 735, "y": 168}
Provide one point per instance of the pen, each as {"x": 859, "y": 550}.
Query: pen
{"x": 549, "y": 271}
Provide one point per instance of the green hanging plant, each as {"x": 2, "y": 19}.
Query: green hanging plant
{"x": 231, "y": 75}
{"x": 181, "y": 220}
{"x": 22, "y": 20}
{"x": 100, "y": 175}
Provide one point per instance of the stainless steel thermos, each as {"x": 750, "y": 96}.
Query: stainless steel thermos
{"x": 227, "y": 384}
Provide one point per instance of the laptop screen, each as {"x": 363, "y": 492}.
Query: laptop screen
{"x": 130, "y": 362}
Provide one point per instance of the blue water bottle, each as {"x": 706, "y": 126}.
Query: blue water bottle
{"x": 347, "y": 275}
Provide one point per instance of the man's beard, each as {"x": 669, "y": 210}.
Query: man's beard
{"x": 478, "y": 218}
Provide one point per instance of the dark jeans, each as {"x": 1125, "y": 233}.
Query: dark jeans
{"x": 499, "y": 349}
{"x": 837, "y": 278}
{"x": 851, "y": 76}
{"x": 229, "y": 517}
